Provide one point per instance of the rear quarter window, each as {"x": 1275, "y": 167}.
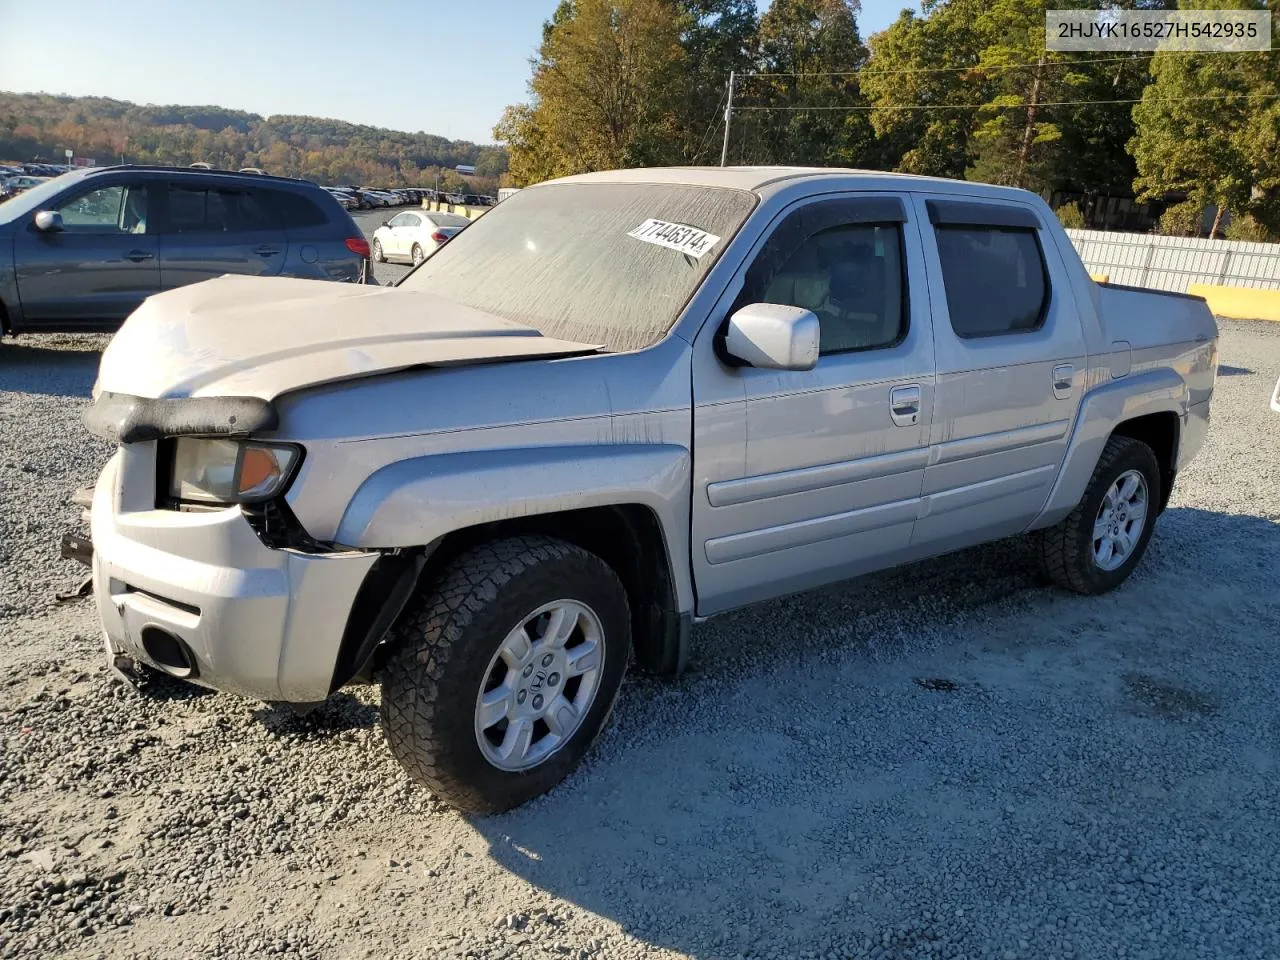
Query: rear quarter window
{"x": 994, "y": 277}
{"x": 294, "y": 210}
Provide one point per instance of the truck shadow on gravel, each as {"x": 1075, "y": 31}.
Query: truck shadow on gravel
{"x": 800, "y": 785}
{"x": 340, "y": 712}
{"x": 27, "y": 367}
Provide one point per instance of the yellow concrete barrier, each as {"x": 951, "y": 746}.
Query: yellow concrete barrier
{"x": 471, "y": 213}
{"x": 1100, "y": 277}
{"x": 1239, "y": 303}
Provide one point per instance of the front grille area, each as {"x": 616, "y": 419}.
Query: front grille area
{"x": 279, "y": 529}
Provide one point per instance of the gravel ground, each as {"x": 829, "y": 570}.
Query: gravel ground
{"x": 949, "y": 760}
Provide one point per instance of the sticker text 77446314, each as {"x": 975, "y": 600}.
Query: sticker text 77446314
{"x": 676, "y": 236}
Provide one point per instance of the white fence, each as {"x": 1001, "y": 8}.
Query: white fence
{"x": 1172, "y": 263}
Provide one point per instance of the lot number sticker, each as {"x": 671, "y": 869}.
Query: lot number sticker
{"x": 676, "y": 236}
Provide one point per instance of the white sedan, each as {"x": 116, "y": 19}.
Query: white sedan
{"x": 414, "y": 234}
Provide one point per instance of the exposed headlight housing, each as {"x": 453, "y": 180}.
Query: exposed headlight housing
{"x": 224, "y": 472}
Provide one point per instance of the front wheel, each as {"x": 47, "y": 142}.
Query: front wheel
{"x": 376, "y": 252}
{"x": 1099, "y": 544}
{"x": 503, "y": 672}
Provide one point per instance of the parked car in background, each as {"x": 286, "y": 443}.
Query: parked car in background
{"x": 348, "y": 200}
{"x": 1275, "y": 398}
{"x": 415, "y": 234}
{"x": 16, "y": 185}
{"x": 615, "y": 404}
{"x": 82, "y": 251}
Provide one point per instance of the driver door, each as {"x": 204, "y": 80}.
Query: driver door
{"x": 806, "y": 477}
{"x": 100, "y": 266}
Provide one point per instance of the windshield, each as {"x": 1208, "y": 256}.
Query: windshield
{"x": 601, "y": 263}
{"x": 33, "y": 199}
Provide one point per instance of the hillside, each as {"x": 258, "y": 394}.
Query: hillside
{"x": 329, "y": 151}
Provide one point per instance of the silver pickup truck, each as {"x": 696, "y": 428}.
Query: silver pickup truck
{"x": 615, "y": 405}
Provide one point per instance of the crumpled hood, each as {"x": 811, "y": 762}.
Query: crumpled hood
{"x": 264, "y": 336}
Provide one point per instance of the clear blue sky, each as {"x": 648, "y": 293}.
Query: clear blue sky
{"x": 393, "y": 63}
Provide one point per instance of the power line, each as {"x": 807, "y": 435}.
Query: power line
{"x": 972, "y": 66}
{"x": 716, "y": 117}
{"x": 1019, "y": 106}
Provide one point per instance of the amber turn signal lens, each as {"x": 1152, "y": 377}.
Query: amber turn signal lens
{"x": 258, "y": 469}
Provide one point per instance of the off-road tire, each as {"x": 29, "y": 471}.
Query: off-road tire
{"x": 440, "y": 649}
{"x": 1066, "y": 550}
{"x": 376, "y": 252}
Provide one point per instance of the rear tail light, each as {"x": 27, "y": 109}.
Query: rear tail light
{"x": 439, "y": 237}
{"x": 358, "y": 245}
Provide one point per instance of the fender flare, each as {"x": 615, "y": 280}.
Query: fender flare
{"x": 417, "y": 501}
{"x": 1101, "y": 410}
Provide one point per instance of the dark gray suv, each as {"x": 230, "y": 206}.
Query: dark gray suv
{"x": 80, "y": 252}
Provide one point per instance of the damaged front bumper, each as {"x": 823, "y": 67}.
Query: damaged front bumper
{"x": 199, "y": 596}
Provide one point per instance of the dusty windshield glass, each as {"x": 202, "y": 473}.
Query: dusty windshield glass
{"x": 601, "y": 263}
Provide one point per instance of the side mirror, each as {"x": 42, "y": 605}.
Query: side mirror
{"x": 386, "y": 223}
{"x": 774, "y": 336}
{"x": 48, "y": 221}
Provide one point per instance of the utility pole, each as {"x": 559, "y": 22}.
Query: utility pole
{"x": 728, "y": 112}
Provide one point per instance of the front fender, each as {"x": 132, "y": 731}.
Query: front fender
{"x": 416, "y": 501}
{"x": 10, "y": 304}
{"x": 1101, "y": 410}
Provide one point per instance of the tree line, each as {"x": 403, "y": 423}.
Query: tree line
{"x": 962, "y": 89}
{"x": 327, "y": 151}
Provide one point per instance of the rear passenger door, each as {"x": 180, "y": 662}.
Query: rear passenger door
{"x": 212, "y": 228}
{"x": 1011, "y": 362}
{"x": 805, "y": 477}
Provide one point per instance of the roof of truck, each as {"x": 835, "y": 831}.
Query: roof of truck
{"x": 761, "y": 179}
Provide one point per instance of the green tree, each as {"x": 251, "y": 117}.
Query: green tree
{"x": 604, "y": 86}
{"x": 717, "y": 37}
{"x": 1207, "y": 128}
{"x": 929, "y": 61}
{"x": 810, "y": 53}
{"x": 533, "y": 157}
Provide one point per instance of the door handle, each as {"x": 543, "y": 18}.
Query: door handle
{"x": 137, "y": 256}
{"x": 1062, "y": 375}
{"x": 265, "y": 251}
{"x": 904, "y": 405}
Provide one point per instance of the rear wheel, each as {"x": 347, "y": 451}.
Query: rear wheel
{"x": 418, "y": 256}
{"x": 376, "y": 251}
{"x": 503, "y": 672}
{"x": 1099, "y": 544}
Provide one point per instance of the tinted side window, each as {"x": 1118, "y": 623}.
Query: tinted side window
{"x": 851, "y": 277}
{"x": 198, "y": 209}
{"x": 115, "y": 209}
{"x": 293, "y": 209}
{"x": 995, "y": 279}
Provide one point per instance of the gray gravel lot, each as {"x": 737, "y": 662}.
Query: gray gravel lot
{"x": 949, "y": 760}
